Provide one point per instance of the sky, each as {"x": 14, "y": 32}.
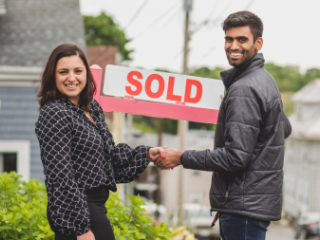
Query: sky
{"x": 156, "y": 28}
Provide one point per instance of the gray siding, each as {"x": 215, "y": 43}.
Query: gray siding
{"x": 31, "y": 29}
{"x": 18, "y": 115}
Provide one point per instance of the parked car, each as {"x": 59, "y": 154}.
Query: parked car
{"x": 198, "y": 219}
{"x": 308, "y": 226}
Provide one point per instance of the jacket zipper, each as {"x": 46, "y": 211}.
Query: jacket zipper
{"x": 226, "y": 197}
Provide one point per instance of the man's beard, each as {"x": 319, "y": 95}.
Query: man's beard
{"x": 246, "y": 56}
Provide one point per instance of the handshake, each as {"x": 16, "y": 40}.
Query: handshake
{"x": 164, "y": 157}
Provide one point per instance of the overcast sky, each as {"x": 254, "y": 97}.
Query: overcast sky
{"x": 291, "y": 35}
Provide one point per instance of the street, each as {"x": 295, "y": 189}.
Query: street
{"x": 281, "y": 231}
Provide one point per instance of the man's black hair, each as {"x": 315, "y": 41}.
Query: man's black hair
{"x": 244, "y": 18}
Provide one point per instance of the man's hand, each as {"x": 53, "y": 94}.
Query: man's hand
{"x": 171, "y": 159}
{"x": 86, "y": 236}
{"x": 155, "y": 154}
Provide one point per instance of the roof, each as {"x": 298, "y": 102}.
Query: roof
{"x": 309, "y": 94}
{"x": 30, "y": 30}
{"x": 309, "y": 129}
{"x": 305, "y": 120}
{"x": 102, "y": 55}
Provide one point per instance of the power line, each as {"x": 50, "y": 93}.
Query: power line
{"x": 175, "y": 14}
{"x": 136, "y": 14}
{"x": 207, "y": 53}
{"x": 249, "y": 5}
{"x": 214, "y": 47}
{"x": 205, "y": 22}
{"x": 207, "y": 19}
{"x": 214, "y": 21}
{"x": 214, "y": 9}
{"x": 157, "y": 20}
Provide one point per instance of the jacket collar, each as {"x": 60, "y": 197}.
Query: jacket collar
{"x": 230, "y": 76}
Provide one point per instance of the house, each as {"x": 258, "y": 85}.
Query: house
{"x": 29, "y": 31}
{"x": 302, "y": 165}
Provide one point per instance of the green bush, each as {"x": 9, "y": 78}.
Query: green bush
{"x": 23, "y": 213}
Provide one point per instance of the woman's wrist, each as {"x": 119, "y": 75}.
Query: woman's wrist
{"x": 148, "y": 156}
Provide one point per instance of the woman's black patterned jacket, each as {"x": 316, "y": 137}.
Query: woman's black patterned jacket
{"x": 78, "y": 155}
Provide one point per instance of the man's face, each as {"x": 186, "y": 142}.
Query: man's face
{"x": 239, "y": 45}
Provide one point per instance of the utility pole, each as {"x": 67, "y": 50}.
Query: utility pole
{"x": 183, "y": 124}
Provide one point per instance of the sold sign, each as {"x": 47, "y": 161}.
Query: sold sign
{"x": 158, "y": 94}
{"x": 161, "y": 83}
{"x": 162, "y": 87}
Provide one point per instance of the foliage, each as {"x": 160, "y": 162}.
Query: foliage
{"x": 23, "y": 209}
{"x": 130, "y": 221}
{"x": 206, "y": 72}
{"x": 145, "y": 128}
{"x": 288, "y": 78}
{"x": 287, "y": 103}
{"x": 101, "y": 30}
{"x": 149, "y": 124}
{"x": 181, "y": 233}
{"x": 23, "y": 213}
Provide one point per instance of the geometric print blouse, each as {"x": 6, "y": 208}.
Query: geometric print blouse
{"x": 78, "y": 155}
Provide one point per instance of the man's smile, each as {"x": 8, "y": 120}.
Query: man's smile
{"x": 235, "y": 55}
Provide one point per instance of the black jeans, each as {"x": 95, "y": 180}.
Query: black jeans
{"x": 233, "y": 227}
{"x": 100, "y": 224}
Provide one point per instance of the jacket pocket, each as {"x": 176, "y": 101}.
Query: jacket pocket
{"x": 236, "y": 182}
{"x": 218, "y": 190}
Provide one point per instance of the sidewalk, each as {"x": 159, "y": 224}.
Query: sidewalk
{"x": 280, "y": 231}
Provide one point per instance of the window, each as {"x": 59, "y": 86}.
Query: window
{"x": 8, "y": 162}
{"x": 15, "y": 156}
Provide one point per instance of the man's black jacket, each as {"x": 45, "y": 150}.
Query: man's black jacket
{"x": 247, "y": 159}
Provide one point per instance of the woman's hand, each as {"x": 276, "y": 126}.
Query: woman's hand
{"x": 86, "y": 236}
{"x": 155, "y": 153}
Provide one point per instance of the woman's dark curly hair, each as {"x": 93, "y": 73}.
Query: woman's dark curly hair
{"x": 49, "y": 91}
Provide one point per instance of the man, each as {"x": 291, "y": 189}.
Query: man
{"x": 247, "y": 159}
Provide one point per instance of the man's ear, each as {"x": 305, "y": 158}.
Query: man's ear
{"x": 259, "y": 43}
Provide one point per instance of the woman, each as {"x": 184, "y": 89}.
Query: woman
{"x": 81, "y": 162}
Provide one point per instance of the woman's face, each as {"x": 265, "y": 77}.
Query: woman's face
{"x": 71, "y": 77}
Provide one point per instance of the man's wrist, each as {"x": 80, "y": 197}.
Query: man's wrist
{"x": 178, "y": 156}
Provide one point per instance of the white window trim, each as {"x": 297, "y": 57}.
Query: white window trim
{"x": 22, "y": 148}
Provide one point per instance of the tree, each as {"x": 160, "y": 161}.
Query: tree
{"x": 206, "y": 72}
{"x": 101, "y": 30}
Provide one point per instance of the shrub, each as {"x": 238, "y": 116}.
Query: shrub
{"x": 23, "y": 213}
